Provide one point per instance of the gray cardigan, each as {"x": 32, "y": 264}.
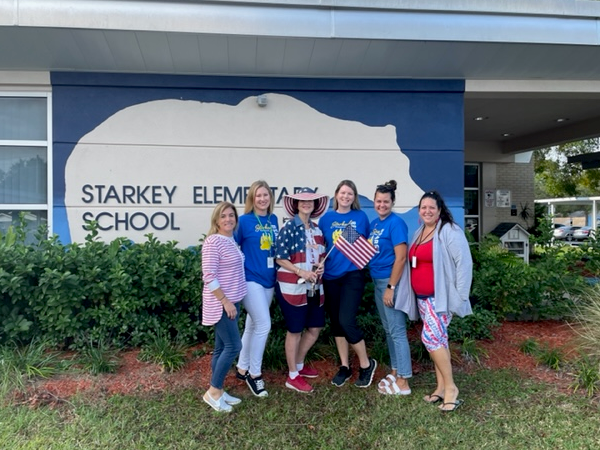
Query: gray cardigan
{"x": 452, "y": 270}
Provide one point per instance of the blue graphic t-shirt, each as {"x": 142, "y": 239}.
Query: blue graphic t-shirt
{"x": 332, "y": 224}
{"x": 385, "y": 235}
{"x": 256, "y": 237}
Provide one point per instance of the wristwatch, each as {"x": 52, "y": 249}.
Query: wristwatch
{"x": 389, "y": 286}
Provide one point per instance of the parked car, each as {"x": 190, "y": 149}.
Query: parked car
{"x": 565, "y": 233}
{"x": 584, "y": 233}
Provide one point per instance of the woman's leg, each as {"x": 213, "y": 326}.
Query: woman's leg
{"x": 435, "y": 337}
{"x": 333, "y": 293}
{"x": 256, "y": 332}
{"x": 380, "y": 287}
{"x": 308, "y": 339}
{"x": 352, "y": 289}
{"x": 397, "y": 328}
{"x": 228, "y": 336}
{"x": 443, "y": 371}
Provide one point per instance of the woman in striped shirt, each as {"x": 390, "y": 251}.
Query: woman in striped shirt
{"x": 224, "y": 288}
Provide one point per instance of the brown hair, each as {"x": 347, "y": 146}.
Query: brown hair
{"x": 389, "y": 187}
{"x": 351, "y": 185}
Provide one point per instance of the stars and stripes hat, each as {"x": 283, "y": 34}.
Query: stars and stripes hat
{"x": 290, "y": 202}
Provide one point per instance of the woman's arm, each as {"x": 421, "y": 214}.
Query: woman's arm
{"x": 458, "y": 248}
{"x": 400, "y": 253}
{"x": 211, "y": 257}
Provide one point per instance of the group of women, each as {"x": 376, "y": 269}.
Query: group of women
{"x": 246, "y": 260}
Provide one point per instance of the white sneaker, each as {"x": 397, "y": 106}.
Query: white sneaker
{"x": 231, "y": 400}
{"x": 218, "y": 405}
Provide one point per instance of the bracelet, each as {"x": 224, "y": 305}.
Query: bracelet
{"x": 298, "y": 271}
{"x": 221, "y": 299}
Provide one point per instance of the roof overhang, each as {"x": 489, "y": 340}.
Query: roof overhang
{"x": 527, "y": 64}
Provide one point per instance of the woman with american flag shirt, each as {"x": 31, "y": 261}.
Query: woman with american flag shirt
{"x": 299, "y": 249}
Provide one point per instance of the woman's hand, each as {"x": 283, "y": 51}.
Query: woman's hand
{"x": 309, "y": 276}
{"x": 320, "y": 270}
{"x": 388, "y": 298}
{"x": 230, "y": 309}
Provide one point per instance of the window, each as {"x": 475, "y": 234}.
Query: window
{"x": 472, "y": 214}
{"x": 24, "y": 155}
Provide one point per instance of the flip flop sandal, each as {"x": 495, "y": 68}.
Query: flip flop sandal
{"x": 455, "y": 406}
{"x": 434, "y": 398}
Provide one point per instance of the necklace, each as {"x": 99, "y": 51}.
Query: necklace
{"x": 424, "y": 239}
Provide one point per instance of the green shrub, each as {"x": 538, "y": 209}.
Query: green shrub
{"x": 471, "y": 351}
{"x": 479, "y": 325}
{"x": 548, "y": 287}
{"x": 587, "y": 375}
{"x": 117, "y": 292}
{"x": 161, "y": 351}
{"x": 550, "y": 357}
{"x": 529, "y": 346}
{"x": 98, "y": 358}
{"x": 20, "y": 363}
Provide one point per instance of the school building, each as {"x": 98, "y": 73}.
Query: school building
{"x": 142, "y": 115}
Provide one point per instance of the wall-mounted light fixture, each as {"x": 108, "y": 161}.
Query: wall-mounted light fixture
{"x": 480, "y": 118}
{"x": 262, "y": 100}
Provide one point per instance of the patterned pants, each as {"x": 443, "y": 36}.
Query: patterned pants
{"x": 435, "y": 326}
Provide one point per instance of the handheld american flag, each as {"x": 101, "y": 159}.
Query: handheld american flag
{"x": 355, "y": 247}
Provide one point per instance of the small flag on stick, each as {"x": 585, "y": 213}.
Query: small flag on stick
{"x": 355, "y": 247}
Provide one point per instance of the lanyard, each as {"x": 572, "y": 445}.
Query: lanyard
{"x": 422, "y": 239}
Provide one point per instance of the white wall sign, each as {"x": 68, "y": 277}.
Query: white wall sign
{"x": 503, "y": 198}
{"x": 160, "y": 167}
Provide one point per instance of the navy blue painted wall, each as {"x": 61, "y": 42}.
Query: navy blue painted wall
{"x": 428, "y": 115}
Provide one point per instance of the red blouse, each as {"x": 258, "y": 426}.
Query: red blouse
{"x": 421, "y": 275}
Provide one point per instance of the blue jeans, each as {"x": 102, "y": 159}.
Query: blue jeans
{"x": 227, "y": 347}
{"x": 394, "y": 325}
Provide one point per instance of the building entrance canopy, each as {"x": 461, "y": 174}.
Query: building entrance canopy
{"x": 531, "y": 68}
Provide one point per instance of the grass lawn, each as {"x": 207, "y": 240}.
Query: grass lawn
{"x": 502, "y": 411}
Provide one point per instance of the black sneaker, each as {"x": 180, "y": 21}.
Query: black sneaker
{"x": 340, "y": 378}
{"x": 365, "y": 376}
{"x": 240, "y": 376}
{"x": 257, "y": 386}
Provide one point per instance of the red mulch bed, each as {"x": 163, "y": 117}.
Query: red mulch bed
{"x": 136, "y": 377}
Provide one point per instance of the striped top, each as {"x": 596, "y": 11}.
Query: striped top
{"x": 222, "y": 266}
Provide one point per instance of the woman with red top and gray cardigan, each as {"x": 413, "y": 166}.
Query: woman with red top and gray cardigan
{"x": 224, "y": 288}
{"x": 299, "y": 250}
{"x": 441, "y": 274}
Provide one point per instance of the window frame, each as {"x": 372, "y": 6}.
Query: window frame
{"x": 478, "y": 190}
{"x": 47, "y": 143}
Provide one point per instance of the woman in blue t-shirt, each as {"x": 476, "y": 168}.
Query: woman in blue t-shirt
{"x": 389, "y": 235}
{"x": 344, "y": 285}
{"x": 256, "y": 235}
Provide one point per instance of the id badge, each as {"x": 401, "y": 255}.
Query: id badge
{"x": 414, "y": 262}
{"x": 270, "y": 262}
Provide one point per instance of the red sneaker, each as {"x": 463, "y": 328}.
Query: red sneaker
{"x": 298, "y": 384}
{"x": 308, "y": 372}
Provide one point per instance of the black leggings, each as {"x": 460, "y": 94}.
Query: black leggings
{"x": 342, "y": 300}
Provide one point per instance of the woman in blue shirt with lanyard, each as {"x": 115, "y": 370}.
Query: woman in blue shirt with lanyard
{"x": 344, "y": 285}
{"x": 256, "y": 235}
{"x": 394, "y": 300}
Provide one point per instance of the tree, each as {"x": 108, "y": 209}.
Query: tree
{"x": 555, "y": 177}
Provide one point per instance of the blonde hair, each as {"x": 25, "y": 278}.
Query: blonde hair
{"x": 351, "y": 185}
{"x": 216, "y": 215}
{"x": 249, "y": 206}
